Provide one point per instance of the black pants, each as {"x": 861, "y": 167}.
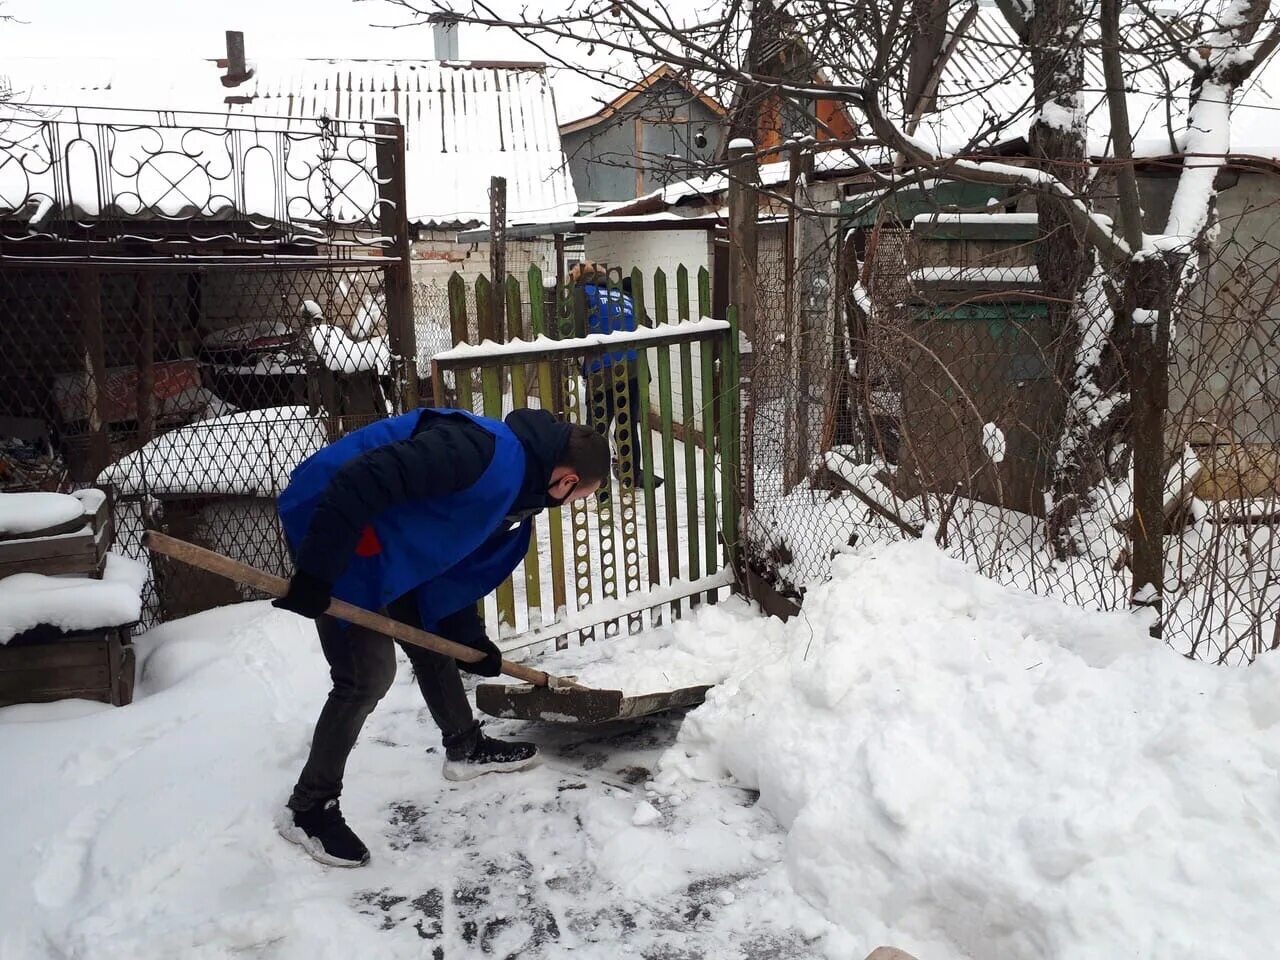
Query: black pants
{"x": 362, "y": 664}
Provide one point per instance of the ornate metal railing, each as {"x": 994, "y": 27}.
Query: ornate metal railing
{"x": 91, "y": 173}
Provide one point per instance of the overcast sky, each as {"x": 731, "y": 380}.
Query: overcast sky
{"x": 272, "y": 28}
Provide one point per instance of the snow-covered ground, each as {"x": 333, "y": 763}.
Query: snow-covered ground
{"x": 923, "y": 757}
{"x": 146, "y": 831}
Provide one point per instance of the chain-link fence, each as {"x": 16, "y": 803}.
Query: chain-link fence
{"x": 190, "y": 304}
{"x": 958, "y": 399}
{"x": 192, "y": 390}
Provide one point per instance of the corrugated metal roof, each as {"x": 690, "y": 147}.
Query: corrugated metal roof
{"x": 463, "y": 122}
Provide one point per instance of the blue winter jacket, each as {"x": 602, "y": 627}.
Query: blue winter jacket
{"x": 609, "y": 310}
{"x": 434, "y": 502}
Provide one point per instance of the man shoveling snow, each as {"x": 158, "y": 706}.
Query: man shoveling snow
{"x": 421, "y": 515}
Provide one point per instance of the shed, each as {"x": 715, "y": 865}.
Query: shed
{"x": 980, "y": 400}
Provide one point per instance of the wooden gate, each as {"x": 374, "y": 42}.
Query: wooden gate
{"x": 644, "y": 551}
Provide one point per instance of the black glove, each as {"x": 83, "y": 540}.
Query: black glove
{"x": 491, "y": 665}
{"x": 307, "y": 596}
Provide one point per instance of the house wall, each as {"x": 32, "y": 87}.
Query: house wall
{"x": 665, "y": 250}
{"x": 436, "y": 256}
{"x": 604, "y": 159}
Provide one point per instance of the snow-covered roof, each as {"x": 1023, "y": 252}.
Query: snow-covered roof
{"x": 708, "y": 188}
{"x": 464, "y": 122}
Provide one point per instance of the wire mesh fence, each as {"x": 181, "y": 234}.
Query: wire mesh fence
{"x": 963, "y": 404}
{"x": 190, "y": 390}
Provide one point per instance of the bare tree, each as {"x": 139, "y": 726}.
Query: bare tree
{"x": 1117, "y": 282}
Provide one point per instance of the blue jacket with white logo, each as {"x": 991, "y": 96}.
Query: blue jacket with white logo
{"x": 609, "y": 310}
{"x": 432, "y": 502}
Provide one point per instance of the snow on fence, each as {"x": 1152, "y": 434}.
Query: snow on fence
{"x": 670, "y": 515}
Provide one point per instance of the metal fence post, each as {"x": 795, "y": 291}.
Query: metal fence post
{"x": 498, "y": 254}
{"x": 393, "y": 219}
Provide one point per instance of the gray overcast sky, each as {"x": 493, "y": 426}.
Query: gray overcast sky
{"x": 273, "y": 28}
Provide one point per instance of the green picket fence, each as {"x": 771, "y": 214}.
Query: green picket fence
{"x": 644, "y": 553}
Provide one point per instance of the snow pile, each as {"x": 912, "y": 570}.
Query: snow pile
{"x": 704, "y": 649}
{"x": 72, "y": 603}
{"x": 248, "y": 454}
{"x": 23, "y": 513}
{"x": 341, "y": 354}
{"x": 971, "y": 771}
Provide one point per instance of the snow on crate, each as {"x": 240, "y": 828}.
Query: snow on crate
{"x": 30, "y": 600}
{"x": 29, "y": 513}
{"x": 971, "y": 771}
{"x": 247, "y": 454}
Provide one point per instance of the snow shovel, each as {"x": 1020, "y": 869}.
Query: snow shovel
{"x": 542, "y": 696}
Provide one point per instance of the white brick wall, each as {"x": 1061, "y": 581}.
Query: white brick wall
{"x": 435, "y": 256}
{"x": 651, "y": 250}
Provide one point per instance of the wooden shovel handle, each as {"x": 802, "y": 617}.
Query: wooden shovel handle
{"x": 268, "y": 583}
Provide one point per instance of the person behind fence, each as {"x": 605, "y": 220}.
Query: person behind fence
{"x": 419, "y": 516}
{"x": 609, "y": 308}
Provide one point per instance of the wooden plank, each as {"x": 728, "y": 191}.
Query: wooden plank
{"x": 630, "y": 441}
{"x": 600, "y": 395}
{"x": 458, "y": 332}
{"x": 549, "y": 397}
{"x": 55, "y": 671}
{"x": 690, "y": 464}
{"x": 709, "y": 511}
{"x": 498, "y": 254}
{"x": 397, "y": 272}
{"x": 490, "y": 376}
{"x": 671, "y": 515}
{"x": 647, "y": 470}
{"x": 491, "y": 399}
{"x": 688, "y": 416}
{"x": 519, "y": 401}
{"x": 579, "y": 523}
{"x": 34, "y": 550}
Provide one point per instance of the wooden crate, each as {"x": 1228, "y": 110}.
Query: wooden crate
{"x": 89, "y": 664}
{"x": 82, "y": 552}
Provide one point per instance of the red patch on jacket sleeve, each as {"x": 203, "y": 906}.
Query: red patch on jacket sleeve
{"x": 369, "y": 545}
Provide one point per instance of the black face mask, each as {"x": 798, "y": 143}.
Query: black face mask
{"x": 559, "y": 501}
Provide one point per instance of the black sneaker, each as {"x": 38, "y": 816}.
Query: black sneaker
{"x": 489, "y": 756}
{"x": 323, "y": 833}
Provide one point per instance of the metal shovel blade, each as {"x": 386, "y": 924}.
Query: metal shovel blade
{"x": 524, "y": 701}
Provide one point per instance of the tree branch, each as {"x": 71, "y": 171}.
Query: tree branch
{"x": 1110, "y": 246}
{"x": 1121, "y": 137}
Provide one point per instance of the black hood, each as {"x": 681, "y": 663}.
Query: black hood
{"x": 544, "y": 439}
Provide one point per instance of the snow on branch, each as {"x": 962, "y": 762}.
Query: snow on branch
{"x": 1097, "y": 228}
